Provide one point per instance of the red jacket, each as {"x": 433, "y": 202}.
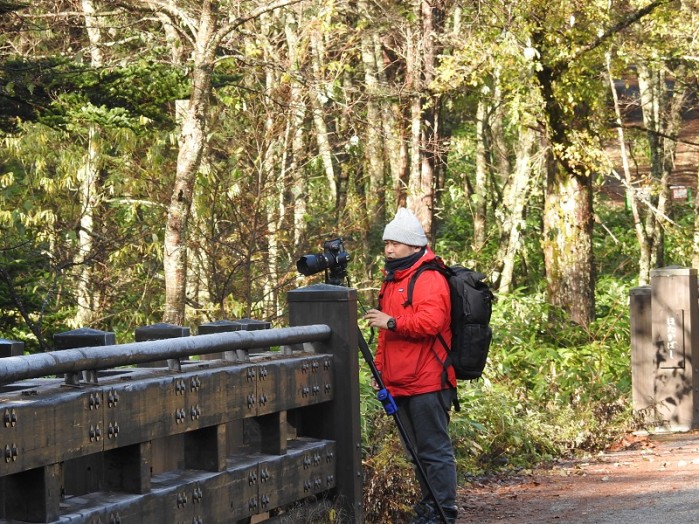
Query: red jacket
{"x": 408, "y": 357}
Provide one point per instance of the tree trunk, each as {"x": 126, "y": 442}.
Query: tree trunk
{"x": 87, "y": 296}
{"x": 567, "y": 243}
{"x": 273, "y": 170}
{"x": 374, "y": 150}
{"x": 695, "y": 236}
{"x": 191, "y": 144}
{"x": 298, "y": 108}
{"x": 480, "y": 190}
{"x": 318, "y": 100}
{"x": 650, "y": 93}
{"x": 517, "y": 194}
{"x": 662, "y": 116}
{"x": 425, "y": 142}
{"x": 90, "y": 191}
{"x": 394, "y": 133}
{"x": 568, "y": 216}
{"x": 643, "y": 240}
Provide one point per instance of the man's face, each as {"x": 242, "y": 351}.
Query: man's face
{"x": 393, "y": 250}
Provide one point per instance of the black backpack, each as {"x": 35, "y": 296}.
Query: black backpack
{"x": 471, "y": 308}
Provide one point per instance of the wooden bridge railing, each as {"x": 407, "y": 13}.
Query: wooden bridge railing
{"x": 228, "y": 439}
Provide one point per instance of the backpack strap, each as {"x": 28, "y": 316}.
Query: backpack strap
{"x": 435, "y": 265}
{"x": 411, "y": 284}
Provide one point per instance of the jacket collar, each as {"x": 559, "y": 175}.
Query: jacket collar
{"x": 404, "y": 273}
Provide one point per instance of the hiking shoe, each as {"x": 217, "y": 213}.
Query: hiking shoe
{"x": 423, "y": 512}
{"x": 427, "y": 513}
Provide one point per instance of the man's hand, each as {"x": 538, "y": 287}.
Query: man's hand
{"x": 377, "y": 319}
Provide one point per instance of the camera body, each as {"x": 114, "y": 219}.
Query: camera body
{"x": 333, "y": 260}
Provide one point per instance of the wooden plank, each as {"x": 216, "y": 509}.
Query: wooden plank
{"x": 312, "y": 380}
{"x": 307, "y": 469}
{"x": 206, "y": 397}
{"x": 146, "y": 409}
{"x": 23, "y": 445}
{"x": 241, "y": 391}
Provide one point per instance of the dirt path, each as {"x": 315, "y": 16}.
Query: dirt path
{"x": 645, "y": 480}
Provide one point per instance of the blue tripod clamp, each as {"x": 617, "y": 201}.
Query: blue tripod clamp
{"x": 387, "y": 400}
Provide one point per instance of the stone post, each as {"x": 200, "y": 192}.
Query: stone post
{"x": 675, "y": 336}
{"x": 642, "y": 352}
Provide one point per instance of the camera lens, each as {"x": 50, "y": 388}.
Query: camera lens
{"x": 311, "y": 264}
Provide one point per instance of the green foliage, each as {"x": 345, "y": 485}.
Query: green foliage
{"x": 561, "y": 362}
{"x": 498, "y": 427}
{"x": 60, "y": 92}
{"x": 134, "y": 96}
{"x": 29, "y": 282}
{"x": 614, "y": 240}
{"x": 679, "y": 238}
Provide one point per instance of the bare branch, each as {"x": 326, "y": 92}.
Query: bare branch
{"x": 166, "y": 8}
{"x": 255, "y": 13}
{"x": 660, "y": 134}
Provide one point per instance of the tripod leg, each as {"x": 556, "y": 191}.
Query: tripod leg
{"x": 391, "y": 409}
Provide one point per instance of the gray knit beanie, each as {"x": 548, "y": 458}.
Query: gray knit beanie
{"x": 406, "y": 229}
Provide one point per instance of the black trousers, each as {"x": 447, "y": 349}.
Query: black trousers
{"x": 426, "y": 420}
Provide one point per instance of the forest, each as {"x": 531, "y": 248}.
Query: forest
{"x": 170, "y": 160}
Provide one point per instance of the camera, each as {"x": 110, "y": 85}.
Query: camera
{"x": 333, "y": 260}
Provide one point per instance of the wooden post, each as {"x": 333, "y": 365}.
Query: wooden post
{"x": 11, "y": 348}
{"x": 338, "y": 420}
{"x": 82, "y": 338}
{"x": 249, "y": 324}
{"x": 84, "y": 474}
{"x": 161, "y": 331}
{"x": 220, "y": 326}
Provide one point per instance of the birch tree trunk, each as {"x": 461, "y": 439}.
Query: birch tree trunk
{"x": 644, "y": 242}
{"x": 318, "y": 99}
{"x": 297, "y": 106}
{"x": 273, "y": 170}
{"x": 90, "y": 190}
{"x": 479, "y": 197}
{"x": 524, "y": 178}
{"x": 651, "y": 93}
{"x": 662, "y": 116}
{"x": 191, "y": 144}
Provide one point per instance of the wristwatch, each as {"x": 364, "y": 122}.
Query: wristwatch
{"x": 391, "y": 324}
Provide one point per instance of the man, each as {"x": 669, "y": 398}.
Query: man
{"x": 410, "y": 359}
